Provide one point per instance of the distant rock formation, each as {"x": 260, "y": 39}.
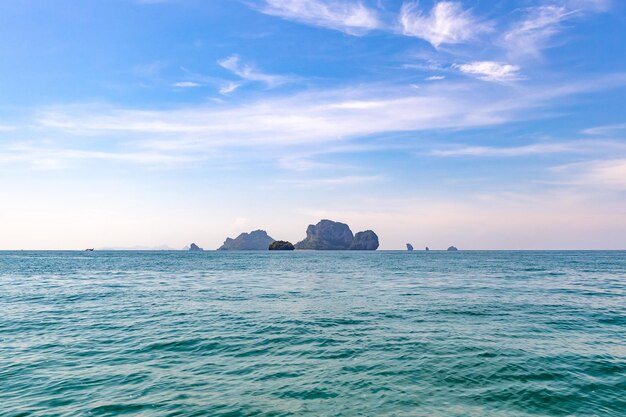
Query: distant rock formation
{"x": 367, "y": 240}
{"x": 427, "y": 248}
{"x": 195, "y": 248}
{"x": 256, "y": 240}
{"x": 452, "y": 249}
{"x": 327, "y": 235}
{"x": 409, "y": 247}
{"x": 330, "y": 235}
{"x": 281, "y": 245}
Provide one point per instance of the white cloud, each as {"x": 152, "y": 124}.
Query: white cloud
{"x": 531, "y": 35}
{"x": 575, "y": 146}
{"x": 42, "y": 157}
{"x": 249, "y": 73}
{"x": 288, "y": 125}
{"x": 436, "y": 78}
{"x": 490, "y": 70}
{"x": 6, "y": 128}
{"x": 607, "y": 173}
{"x": 610, "y": 173}
{"x": 447, "y": 23}
{"x": 606, "y": 130}
{"x": 186, "y": 84}
{"x": 540, "y": 24}
{"x": 320, "y": 117}
{"x": 229, "y": 88}
{"x": 335, "y": 181}
{"x": 492, "y": 151}
{"x": 350, "y": 17}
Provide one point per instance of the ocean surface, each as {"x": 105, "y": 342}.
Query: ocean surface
{"x": 313, "y": 333}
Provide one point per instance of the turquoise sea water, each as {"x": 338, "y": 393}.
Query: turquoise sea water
{"x": 313, "y": 333}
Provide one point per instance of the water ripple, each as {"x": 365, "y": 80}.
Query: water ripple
{"x": 320, "y": 334}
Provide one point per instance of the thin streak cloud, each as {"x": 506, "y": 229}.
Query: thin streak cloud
{"x": 248, "y": 72}
{"x": 609, "y": 174}
{"x": 334, "y": 181}
{"x": 351, "y": 17}
{"x": 539, "y": 149}
{"x": 490, "y": 70}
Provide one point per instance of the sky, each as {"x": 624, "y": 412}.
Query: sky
{"x": 157, "y": 123}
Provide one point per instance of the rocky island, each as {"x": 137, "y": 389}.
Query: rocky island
{"x": 281, "y": 245}
{"x": 325, "y": 235}
{"x": 256, "y": 240}
{"x": 195, "y": 248}
{"x": 409, "y": 247}
{"x": 452, "y": 249}
{"x": 331, "y": 235}
{"x": 367, "y": 240}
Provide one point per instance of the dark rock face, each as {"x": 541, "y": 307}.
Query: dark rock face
{"x": 452, "y": 249}
{"x": 327, "y": 235}
{"x": 257, "y": 240}
{"x": 367, "y": 240}
{"x": 195, "y": 248}
{"x": 330, "y": 235}
{"x": 281, "y": 245}
{"x": 427, "y": 248}
{"x": 409, "y": 247}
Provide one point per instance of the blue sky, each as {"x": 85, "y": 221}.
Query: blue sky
{"x": 143, "y": 123}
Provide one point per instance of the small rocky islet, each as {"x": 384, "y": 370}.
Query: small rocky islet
{"x": 255, "y": 240}
{"x": 281, "y": 245}
{"x": 195, "y": 248}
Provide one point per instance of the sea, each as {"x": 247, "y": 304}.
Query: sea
{"x": 386, "y": 333}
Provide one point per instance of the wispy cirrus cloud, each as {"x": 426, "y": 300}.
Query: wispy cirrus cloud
{"x": 532, "y": 34}
{"x": 493, "y": 151}
{"x": 333, "y": 181}
{"x": 45, "y": 157}
{"x": 229, "y": 87}
{"x": 490, "y": 70}
{"x": 295, "y": 124}
{"x": 319, "y": 117}
{"x": 538, "y": 149}
{"x": 249, "y": 72}
{"x": 606, "y": 130}
{"x": 351, "y": 17}
{"x": 447, "y": 23}
{"x": 609, "y": 173}
{"x": 186, "y": 84}
{"x": 539, "y": 26}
